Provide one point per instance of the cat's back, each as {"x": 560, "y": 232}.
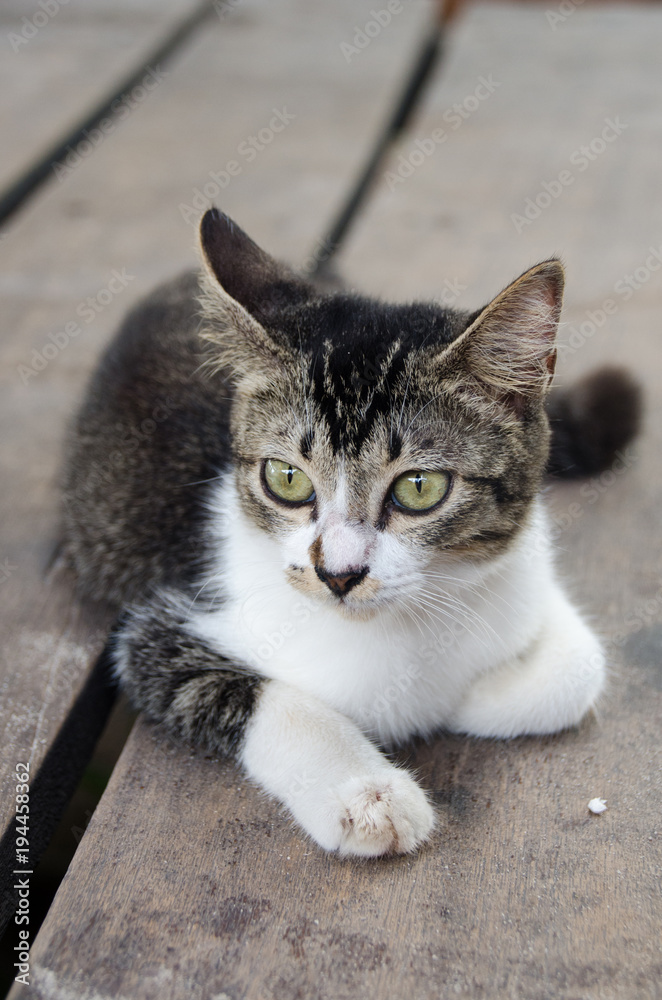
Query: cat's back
{"x": 152, "y": 430}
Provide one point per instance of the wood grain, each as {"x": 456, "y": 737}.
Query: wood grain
{"x": 189, "y": 884}
{"x": 55, "y": 70}
{"x": 52, "y": 704}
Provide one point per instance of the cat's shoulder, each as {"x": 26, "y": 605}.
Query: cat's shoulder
{"x": 169, "y": 311}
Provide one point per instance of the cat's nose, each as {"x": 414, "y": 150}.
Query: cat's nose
{"x": 341, "y": 583}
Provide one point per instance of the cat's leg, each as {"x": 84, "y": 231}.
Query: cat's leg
{"x": 178, "y": 681}
{"x": 345, "y": 793}
{"x": 335, "y": 782}
{"x": 549, "y": 687}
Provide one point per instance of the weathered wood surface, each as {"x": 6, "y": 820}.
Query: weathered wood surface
{"x": 189, "y": 883}
{"x": 52, "y": 707}
{"x": 58, "y": 61}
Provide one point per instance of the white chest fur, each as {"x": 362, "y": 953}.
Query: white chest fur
{"x": 404, "y": 671}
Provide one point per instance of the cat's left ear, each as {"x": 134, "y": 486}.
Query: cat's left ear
{"x": 508, "y": 348}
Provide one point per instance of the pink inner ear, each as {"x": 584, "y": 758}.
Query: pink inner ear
{"x": 509, "y": 349}
{"x": 553, "y": 296}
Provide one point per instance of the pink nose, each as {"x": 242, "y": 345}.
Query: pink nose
{"x": 341, "y": 583}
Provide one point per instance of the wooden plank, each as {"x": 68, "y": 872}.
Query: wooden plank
{"x": 52, "y": 703}
{"x": 51, "y": 708}
{"x": 60, "y": 60}
{"x": 188, "y": 882}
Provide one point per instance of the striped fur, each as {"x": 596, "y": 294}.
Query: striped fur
{"x": 240, "y": 630}
{"x": 178, "y": 680}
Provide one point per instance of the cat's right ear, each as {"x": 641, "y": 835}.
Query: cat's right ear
{"x": 240, "y": 283}
{"x": 241, "y": 268}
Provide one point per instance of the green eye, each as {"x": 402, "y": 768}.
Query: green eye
{"x": 420, "y": 490}
{"x": 287, "y": 482}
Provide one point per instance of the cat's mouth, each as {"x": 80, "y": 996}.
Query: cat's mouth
{"x": 356, "y": 609}
{"x": 361, "y": 600}
{"x": 351, "y": 608}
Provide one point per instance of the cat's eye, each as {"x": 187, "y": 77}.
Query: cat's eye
{"x": 288, "y": 483}
{"x": 417, "y": 490}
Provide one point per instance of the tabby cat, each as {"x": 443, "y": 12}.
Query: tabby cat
{"x": 321, "y": 518}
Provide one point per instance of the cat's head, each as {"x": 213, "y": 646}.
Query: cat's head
{"x": 370, "y": 439}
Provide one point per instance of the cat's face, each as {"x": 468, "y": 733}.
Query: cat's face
{"x": 376, "y": 443}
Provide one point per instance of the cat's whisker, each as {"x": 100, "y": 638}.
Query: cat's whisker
{"x": 257, "y": 590}
{"x": 434, "y": 595}
{"x": 422, "y": 408}
{"x": 512, "y": 584}
{"x": 419, "y": 621}
{"x": 444, "y": 620}
{"x": 191, "y": 609}
{"x": 200, "y": 482}
{"x": 461, "y": 630}
{"x": 445, "y": 595}
{"x": 458, "y": 589}
{"x": 473, "y": 586}
{"x": 197, "y": 595}
{"x": 483, "y": 589}
{"x": 445, "y": 599}
{"x": 404, "y": 399}
{"x": 443, "y": 610}
{"x": 444, "y": 614}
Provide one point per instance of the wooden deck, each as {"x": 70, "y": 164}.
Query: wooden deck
{"x": 189, "y": 884}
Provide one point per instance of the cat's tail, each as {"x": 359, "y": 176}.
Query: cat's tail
{"x": 592, "y": 421}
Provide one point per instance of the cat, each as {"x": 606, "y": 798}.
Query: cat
{"x": 321, "y": 519}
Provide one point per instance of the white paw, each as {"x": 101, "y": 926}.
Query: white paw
{"x": 338, "y": 786}
{"x": 385, "y": 814}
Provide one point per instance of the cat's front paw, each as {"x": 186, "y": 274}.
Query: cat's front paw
{"x": 336, "y": 783}
{"x": 388, "y": 814}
